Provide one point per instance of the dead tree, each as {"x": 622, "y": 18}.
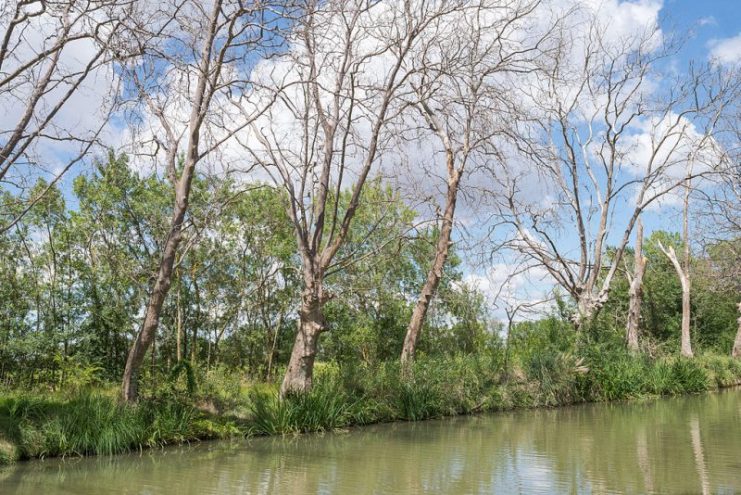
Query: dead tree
{"x": 463, "y": 76}
{"x": 596, "y": 136}
{"x": 344, "y": 74}
{"x": 187, "y": 83}
{"x": 683, "y": 271}
{"x": 54, "y": 55}
{"x": 635, "y": 292}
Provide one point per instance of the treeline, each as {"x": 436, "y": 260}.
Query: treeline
{"x": 288, "y": 178}
{"x": 76, "y": 272}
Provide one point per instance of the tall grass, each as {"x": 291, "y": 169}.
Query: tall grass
{"x": 326, "y": 407}
{"x": 93, "y": 423}
{"x": 38, "y": 425}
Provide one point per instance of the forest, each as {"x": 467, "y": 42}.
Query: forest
{"x": 235, "y": 218}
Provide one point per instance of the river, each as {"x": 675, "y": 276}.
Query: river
{"x": 679, "y": 445}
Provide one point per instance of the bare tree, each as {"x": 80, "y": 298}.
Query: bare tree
{"x": 598, "y": 137}
{"x": 718, "y": 203}
{"x": 635, "y": 291}
{"x": 187, "y": 83}
{"x": 518, "y": 305}
{"x": 683, "y": 269}
{"x": 344, "y": 75}
{"x": 53, "y": 55}
{"x": 465, "y": 70}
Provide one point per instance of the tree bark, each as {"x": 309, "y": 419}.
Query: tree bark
{"x": 636, "y": 292}
{"x": 434, "y": 275}
{"x": 683, "y": 271}
{"x": 300, "y": 371}
{"x": 686, "y": 346}
{"x": 129, "y": 387}
{"x": 686, "y": 343}
{"x": 737, "y": 343}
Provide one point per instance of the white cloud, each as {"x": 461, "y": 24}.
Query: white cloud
{"x": 516, "y": 287}
{"x": 726, "y": 51}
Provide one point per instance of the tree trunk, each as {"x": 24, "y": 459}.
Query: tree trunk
{"x": 129, "y": 389}
{"x": 588, "y": 306}
{"x": 686, "y": 343}
{"x": 195, "y": 321}
{"x": 683, "y": 271}
{"x": 433, "y": 276}
{"x": 737, "y": 343}
{"x": 274, "y": 344}
{"x": 685, "y": 275}
{"x": 636, "y": 292}
{"x": 686, "y": 346}
{"x": 298, "y": 377}
{"x": 180, "y": 330}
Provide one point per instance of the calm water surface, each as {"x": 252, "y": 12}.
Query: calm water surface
{"x": 684, "y": 445}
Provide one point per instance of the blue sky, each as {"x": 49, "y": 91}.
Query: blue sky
{"x": 709, "y": 20}
{"x": 706, "y": 28}
{"x": 711, "y": 26}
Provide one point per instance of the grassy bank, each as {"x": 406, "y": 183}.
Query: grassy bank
{"x": 91, "y": 421}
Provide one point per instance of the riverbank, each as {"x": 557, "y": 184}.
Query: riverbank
{"x": 37, "y": 424}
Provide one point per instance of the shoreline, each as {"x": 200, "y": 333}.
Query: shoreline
{"x": 46, "y": 426}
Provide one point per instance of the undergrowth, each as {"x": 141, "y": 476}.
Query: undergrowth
{"x": 219, "y": 405}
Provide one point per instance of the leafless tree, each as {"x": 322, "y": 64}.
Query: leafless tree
{"x": 188, "y": 85}
{"x": 344, "y": 74}
{"x": 635, "y": 291}
{"x": 597, "y": 136}
{"x": 55, "y": 55}
{"x": 464, "y": 73}
{"x": 717, "y": 205}
{"x": 683, "y": 268}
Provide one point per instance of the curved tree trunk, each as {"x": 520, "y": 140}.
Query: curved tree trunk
{"x": 683, "y": 272}
{"x": 686, "y": 345}
{"x": 129, "y": 388}
{"x": 433, "y": 276}
{"x": 204, "y": 90}
{"x": 636, "y": 292}
{"x": 686, "y": 341}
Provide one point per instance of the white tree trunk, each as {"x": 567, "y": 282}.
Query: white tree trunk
{"x": 686, "y": 346}
{"x": 737, "y": 343}
{"x": 636, "y": 292}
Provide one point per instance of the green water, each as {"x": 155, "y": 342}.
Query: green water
{"x": 684, "y": 445}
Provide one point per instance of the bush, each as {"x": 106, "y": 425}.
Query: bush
{"x": 325, "y": 408}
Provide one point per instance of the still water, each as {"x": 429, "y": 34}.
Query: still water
{"x": 683, "y": 445}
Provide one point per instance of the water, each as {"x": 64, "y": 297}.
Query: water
{"x": 683, "y": 445}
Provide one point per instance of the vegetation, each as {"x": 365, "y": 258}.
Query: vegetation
{"x": 212, "y": 373}
{"x": 260, "y": 231}
{"x": 84, "y": 422}
{"x": 226, "y": 335}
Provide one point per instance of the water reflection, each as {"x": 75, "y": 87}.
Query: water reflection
{"x": 687, "y": 445}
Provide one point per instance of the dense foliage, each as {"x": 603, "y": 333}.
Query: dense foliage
{"x": 74, "y": 279}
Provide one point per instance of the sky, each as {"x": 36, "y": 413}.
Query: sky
{"x": 708, "y": 28}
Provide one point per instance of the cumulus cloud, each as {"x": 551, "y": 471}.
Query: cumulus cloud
{"x": 72, "y": 106}
{"x": 514, "y": 288}
{"x": 726, "y": 51}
